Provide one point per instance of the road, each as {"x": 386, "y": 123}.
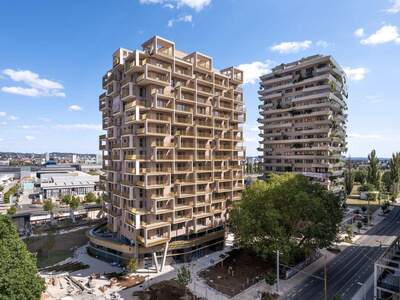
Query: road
{"x": 352, "y": 266}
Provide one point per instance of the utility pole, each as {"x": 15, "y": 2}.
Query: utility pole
{"x": 325, "y": 281}
{"x": 277, "y": 271}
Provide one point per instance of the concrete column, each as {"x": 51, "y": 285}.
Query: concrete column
{"x": 164, "y": 256}
{"x": 155, "y": 261}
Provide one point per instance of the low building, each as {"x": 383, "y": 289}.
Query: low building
{"x": 57, "y": 185}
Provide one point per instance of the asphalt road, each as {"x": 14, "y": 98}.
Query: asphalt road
{"x": 352, "y": 266}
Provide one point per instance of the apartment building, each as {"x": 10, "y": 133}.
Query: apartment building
{"x": 173, "y": 152}
{"x": 303, "y": 120}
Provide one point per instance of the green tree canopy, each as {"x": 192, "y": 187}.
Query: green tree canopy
{"x": 360, "y": 176}
{"x": 288, "y": 213}
{"x": 132, "y": 265}
{"x": 12, "y": 210}
{"x": 394, "y": 165}
{"x": 349, "y": 177}
{"x": 19, "y": 277}
{"x": 183, "y": 276}
{"x": 90, "y": 197}
{"x": 74, "y": 203}
{"x": 373, "y": 176}
{"x": 48, "y": 205}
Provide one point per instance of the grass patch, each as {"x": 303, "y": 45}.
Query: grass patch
{"x": 53, "y": 248}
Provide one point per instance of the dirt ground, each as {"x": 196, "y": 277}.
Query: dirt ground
{"x": 166, "y": 290}
{"x": 54, "y": 248}
{"x": 241, "y": 269}
{"x": 123, "y": 280}
{"x": 68, "y": 267}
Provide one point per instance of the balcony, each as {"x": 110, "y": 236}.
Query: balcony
{"x": 153, "y": 241}
{"x": 153, "y": 77}
{"x": 155, "y": 171}
{"x": 184, "y": 73}
{"x": 184, "y": 133}
{"x": 163, "y": 157}
{"x": 164, "y": 196}
{"x": 153, "y": 131}
{"x": 203, "y": 169}
{"x": 127, "y": 91}
{"x": 156, "y": 117}
{"x": 131, "y": 157}
{"x": 179, "y": 170}
{"x": 221, "y": 115}
{"x": 184, "y": 157}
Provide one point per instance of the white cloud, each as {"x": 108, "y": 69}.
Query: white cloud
{"x": 359, "y": 32}
{"x": 17, "y": 90}
{"x": 25, "y": 126}
{"x": 386, "y": 34}
{"x": 13, "y": 118}
{"x": 254, "y": 70}
{"x": 3, "y": 114}
{"x": 355, "y": 74}
{"x": 322, "y": 44}
{"x": 79, "y": 126}
{"x": 29, "y": 137}
{"x": 368, "y": 136}
{"x": 1, "y": 139}
{"x": 44, "y": 119}
{"x": 372, "y": 99}
{"x": 3, "y": 123}
{"x": 193, "y": 4}
{"x": 291, "y": 47}
{"x": 36, "y": 86}
{"x": 185, "y": 19}
{"x": 74, "y": 108}
{"x": 395, "y": 8}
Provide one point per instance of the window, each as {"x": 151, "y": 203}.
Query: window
{"x": 142, "y": 92}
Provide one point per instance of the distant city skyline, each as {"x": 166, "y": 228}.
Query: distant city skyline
{"x": 52, "y": 61}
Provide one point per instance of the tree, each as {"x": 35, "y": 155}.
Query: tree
{"x": 184, "y": 277}
{"x": 349, "y": 230}
{"x": 373, "y": 176}
{"x": 19, "y": 277}
{"x": 90, "y": 197}
{"x": 359, "y": 226}
{"x": 287, "y": 213}
{"x": 73, "y": 205}
{"x": 132, "y": 265}
{"x": 349, "y": 177}
{"x": 360, "y": 176}
{"x": 387, "y": 182}
{"x": 394, "y": 165}
{"x": 12, "y": 210}
{"x": 11, "y": 192}
{"x": 270, "y": 278}
{"x": 49, "y": 206}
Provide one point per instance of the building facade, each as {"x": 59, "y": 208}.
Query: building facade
{"x": 173, "y": 152}
{"x": 57, "y": 185}
{"x": 387, "y": 273}
{"x": 303, "y": 120}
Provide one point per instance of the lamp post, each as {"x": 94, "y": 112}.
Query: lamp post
{"x": 277, "y": 271}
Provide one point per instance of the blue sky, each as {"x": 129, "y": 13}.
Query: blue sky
{"x": 54, "y": 53}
